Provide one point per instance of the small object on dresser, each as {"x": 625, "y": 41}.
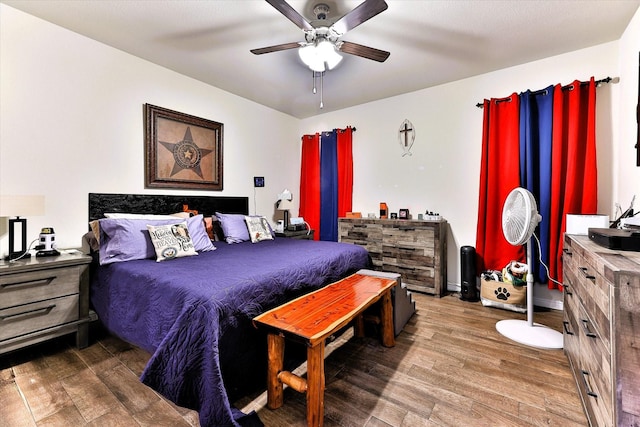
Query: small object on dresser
{"x": 403, "y": 214}
{"x": 47, "y": 243}
{"x": 432, "y": 216}
{"x": 394, "y": 215}
{"x": 384, "y": 211}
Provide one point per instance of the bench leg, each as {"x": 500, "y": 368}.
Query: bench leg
{"x": 358, "y": 327}
{"x": 315, "y": 382}
{"x": 386, "y": 318}
{"x": 275, "y": 348}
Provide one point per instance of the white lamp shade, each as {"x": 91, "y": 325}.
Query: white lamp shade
{"x": 285, "y": 195}
{"x": 315, "y": 56}
{"x": 285, "y": 200}
{"x": 285, "y": 205}
{"x": 11, "y": 206}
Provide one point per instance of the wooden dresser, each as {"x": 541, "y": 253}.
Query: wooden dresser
{"x": 415, "y": 249}
{"x": 602, "y": 329}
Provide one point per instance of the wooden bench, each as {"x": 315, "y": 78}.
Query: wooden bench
{"x": 311, "y": 319}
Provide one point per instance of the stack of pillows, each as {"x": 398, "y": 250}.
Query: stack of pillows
{"x": 125, "y": 237}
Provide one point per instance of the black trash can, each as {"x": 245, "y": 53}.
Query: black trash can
{"x": 469, "y": 289}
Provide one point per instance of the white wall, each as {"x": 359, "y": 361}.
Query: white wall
{"x": 443, "y": 173}
{"x": 627, "y": 176}
{"x": 71, "y": 122}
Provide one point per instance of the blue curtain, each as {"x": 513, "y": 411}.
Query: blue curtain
{"x": 329, "y": 186}
{"x": 536, "y": 118}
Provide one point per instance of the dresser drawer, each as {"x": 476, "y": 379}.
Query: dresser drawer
{"x": 594, "y": 372}
{"x": 412, "y": 256}
{"x": 592, "y": 289}
{"x": 22, "y": 288}
{"x": 409, "y": 236}
{"x": 367, "y": 235}
{"x": 570, "y": 322}
{"x": 24, "y": 319}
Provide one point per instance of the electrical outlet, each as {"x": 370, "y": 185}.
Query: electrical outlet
{"x": 258, "y": 181}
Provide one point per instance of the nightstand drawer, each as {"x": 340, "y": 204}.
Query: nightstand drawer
{"x": 23, "y": 288}
{"x": 27, "y": 318}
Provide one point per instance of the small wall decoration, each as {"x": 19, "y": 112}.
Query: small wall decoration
{"x": 182, "y": 151}
{"x": 406, "y": 137}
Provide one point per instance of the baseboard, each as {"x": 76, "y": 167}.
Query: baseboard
{"x": 548, "y": 303}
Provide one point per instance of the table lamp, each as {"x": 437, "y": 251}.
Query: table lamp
{"x": 18, "y": 207}
{"x": 285, "y": 204}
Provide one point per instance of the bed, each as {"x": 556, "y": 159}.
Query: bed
{"x": 193, "y": 314}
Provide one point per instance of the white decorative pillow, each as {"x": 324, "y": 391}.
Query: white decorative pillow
{"x": 259, "y": 228}
{"x": 171, "y": 241}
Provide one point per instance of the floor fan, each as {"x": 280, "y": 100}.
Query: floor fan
{"x": 520, "y": 218}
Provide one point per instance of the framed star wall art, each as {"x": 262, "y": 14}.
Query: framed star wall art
{"x": 182, "y": 151}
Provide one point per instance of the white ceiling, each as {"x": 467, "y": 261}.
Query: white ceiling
{"x": 431, "y": 42}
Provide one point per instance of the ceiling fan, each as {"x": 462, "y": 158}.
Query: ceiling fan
{"x": 322, "y": 39}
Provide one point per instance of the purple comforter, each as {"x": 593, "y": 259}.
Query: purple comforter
{"x": 194, "y": 314}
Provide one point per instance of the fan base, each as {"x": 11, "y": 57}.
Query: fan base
{"x": 538, "y": 335}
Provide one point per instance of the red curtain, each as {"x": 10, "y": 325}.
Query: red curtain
{"x": 574, "y": 183}
{"x": 499, "y": 174}
{"x": 345, "y": 171}
{"x": 310, "y": 182}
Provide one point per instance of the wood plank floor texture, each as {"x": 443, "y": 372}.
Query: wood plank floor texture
{"x": 449, "y": 368}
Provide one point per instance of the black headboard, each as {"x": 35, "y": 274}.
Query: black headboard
{"x": 99, "y": 203}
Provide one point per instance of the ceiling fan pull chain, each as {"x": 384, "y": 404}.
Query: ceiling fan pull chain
{"x": 313, "y": 73}
{"x": 321, "y": 89}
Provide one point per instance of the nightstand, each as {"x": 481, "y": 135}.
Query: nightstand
{"x": 43, "y": 298}
{"x": 302, "y": 234}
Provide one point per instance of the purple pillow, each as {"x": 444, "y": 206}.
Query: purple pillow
{"x": 234, "y": 227}
{"x": 123, "y": 239}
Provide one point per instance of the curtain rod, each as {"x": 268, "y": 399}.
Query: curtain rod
{"x": 353, "y": 129}
{"x": 569, "y": 86}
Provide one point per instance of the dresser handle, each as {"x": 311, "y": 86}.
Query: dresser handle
{"x": 586, "y": 274}
{"x": 567, "y": 252}
{"x": 37, "y": 311}
{"x": 586, "y": 384}
{"x": 567, "y": 290}
{"x": 566, "y": 329}
{"x": 39, "y": 282}
{"x": 587, "y": 330}
{"x": 406, "y": 228}
{"x": 404, "y": 248}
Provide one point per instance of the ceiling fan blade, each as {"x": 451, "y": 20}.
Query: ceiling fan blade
{"x": 284, "y": 8}
{"x": 365, "y": 11}
{"x": 275, "y": 48}
{"x": 364, "y": 51}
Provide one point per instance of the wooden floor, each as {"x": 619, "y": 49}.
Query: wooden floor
{"x": 449, "y": 368}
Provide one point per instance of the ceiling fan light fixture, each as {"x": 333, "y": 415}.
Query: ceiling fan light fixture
{"x": 320, "y": 56}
